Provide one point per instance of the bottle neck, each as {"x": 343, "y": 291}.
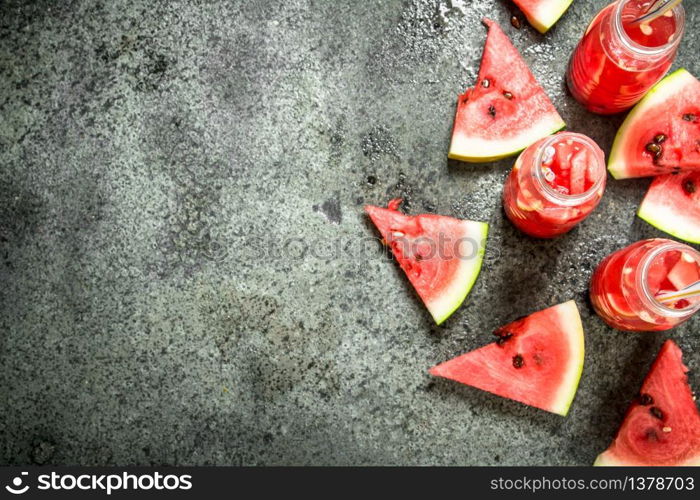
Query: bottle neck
{"x": 642, "y": 282}
{"x": 629, "y": 54}
{"x": 546, "y": 148}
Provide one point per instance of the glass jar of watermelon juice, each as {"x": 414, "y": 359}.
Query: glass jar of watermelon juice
{"x": 618, "y": 61}
{"x": 555, "y": 184}
{"x": 628, "y": 285}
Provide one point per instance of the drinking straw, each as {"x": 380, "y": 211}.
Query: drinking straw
{"x": 686, "y": 293}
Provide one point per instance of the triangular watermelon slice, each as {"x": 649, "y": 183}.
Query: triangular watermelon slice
{"x": 662, "y": 426}
{"x": 661, "y": 134}
{"x": 672, "y": 204}
{"x": 536, "y": 360}
{"x": 441, "y": 255}
{"x": 542, "y": 14}
{"x": 506, "y": 111}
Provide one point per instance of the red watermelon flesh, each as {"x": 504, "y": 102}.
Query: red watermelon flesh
{"x": 684, "y": 273}
{"x": 672, "y": 204}
{"x": 506, "y": 111}
{"x": 659, "y": 272}
{"x": 662, "y": 426}
{"x": 536, "y": 360}
{"x": 441, "y": 255}
{"x": 661, "y": 134}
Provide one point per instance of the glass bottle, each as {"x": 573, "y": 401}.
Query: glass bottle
{"x": 555, "y": 184}
{"x": 616, "y": 62}
{"x": 626, "y": 285}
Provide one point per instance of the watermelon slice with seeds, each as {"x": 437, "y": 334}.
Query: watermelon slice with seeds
{"x": 441, "y": 255}
{"x": 536, "y": 360}
{"x": 542, "y": 14}
{"x": 506, "y": 111}
{"x": 672, "y": 204}
{"x": 661, "y": 134}
{"x": 662, "y": 426}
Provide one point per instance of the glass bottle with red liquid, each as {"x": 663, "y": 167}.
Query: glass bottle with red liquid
{"x": 555, "y": 184}
{"x": 627, "y": 285}
{"x": 618, "y": 61}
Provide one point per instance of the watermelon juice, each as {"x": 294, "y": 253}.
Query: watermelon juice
{"x": 617, "y": 61}
{"x": 555, "y": 184}
{"x": 626, "y": 286}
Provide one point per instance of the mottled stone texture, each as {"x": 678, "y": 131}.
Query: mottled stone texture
{"x": 187, "y": 274}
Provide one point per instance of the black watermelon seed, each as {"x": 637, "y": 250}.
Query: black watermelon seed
{"x": 503, "y": 338}
{"x": 492, "y": 111}
{"x": 645, "y": 399}
{"x": 689, "y": 186}
{"x": 653, "y": 147}
{"x": 371, "y": 180}
{"x": 502, "y": 333}
{"x": 689, "y": 117}
{"x": 518, "y": 361}
{"x": 656, "y": 412}
{"x": 508, "y": 95}
{"x": 659, "y": 138}
{"x": 515, "y": 21}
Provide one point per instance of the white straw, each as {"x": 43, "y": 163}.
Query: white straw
{"x": 688, "y": 292}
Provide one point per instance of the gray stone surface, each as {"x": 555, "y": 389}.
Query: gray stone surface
{"x": 187, "y": 274}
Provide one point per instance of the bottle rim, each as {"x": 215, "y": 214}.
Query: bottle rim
{"x": 557, "y": 197}
{"x": 643, "y": 276}
{"x": 678, "y": 12}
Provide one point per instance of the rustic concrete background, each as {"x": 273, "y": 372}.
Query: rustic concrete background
{"x": 187, "y": 274}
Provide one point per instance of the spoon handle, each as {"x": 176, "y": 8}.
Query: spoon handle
{"x": 656, "y": 9}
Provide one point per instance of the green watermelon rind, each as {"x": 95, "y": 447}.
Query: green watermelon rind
{"x": 667, "y": 220}
{"x": 548, "y": 14}
{"x": 482, "y": 150}
{"x": 444, "y": 306}
{"x": 571, "y": 317}
{"x": 662, "y": 91}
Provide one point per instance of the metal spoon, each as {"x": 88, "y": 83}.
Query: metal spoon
{"x": 656, "y": 9}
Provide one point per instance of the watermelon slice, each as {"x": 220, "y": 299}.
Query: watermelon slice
{"x": 536, "y": 360}
{"x": 542, "y": 14}
{"x": 672, "y": 204}
{"x": 441, "y": 255}
{"x": 662, "y": 132}
{"x": 662, "y": 427}
{"x": 684, "y": 273}
{"x": 506, "y": 111}
{"x": 660, "y": 269}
